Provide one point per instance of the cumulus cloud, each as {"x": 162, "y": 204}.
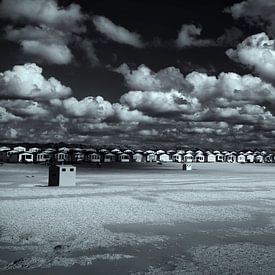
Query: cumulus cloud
{"x": 255, "y": 12}
{"x": 27, "y": 82}
{"x": 256, "y": 52}
{"x": 44, "y": 12}
{"x": 213, "y": 109}
{"x": 6, "y": 117}
{"x": 48, "y": 31}
{"x": 165, "y": 103}
{"x": 117, "y": 33}
{"x": 143, "y": 78}
{"x": 189, "y": 36}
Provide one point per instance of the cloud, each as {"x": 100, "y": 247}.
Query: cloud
{"x": 117, "y": 33}
{"x": 6, "y": 117}
{"x": 49, "y": 31}
{"x": 46, "y": 44}
{"x": 189, "y": 37}
{"x": 44, "y": 12}
{"x": 27, "y": 82}
{"x": 143, "y": 78}
{"x": 256, "y": 52}
{"x": 164, "y": 103}
{"x": 51, "y": 53}
{"x": 213, "y": 110}
{"x": 255, "y": 12}
{"x": 87, "y": 46}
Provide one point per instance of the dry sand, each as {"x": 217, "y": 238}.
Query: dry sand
{"x": 139, "y": 219}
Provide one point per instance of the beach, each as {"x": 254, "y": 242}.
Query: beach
{"x": 139, "y": 218}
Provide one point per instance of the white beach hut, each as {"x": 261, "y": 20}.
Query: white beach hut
{"x": 124, "y": 157}
{"x": 188, "y": 157}
{"x": 62, "y": 175}
{"x": 25, "y": 157}
{"x": 249, "y": 158}
{"x": 43, "y": 157}
{"x": 19, "y": 149}
{"x": 230, "y": 158}
{"x": 138, "y": 157}
{"x": 110, "y": 157}
{"x": 241, "y": 158}
{"x": 177, "y": 157}
{"x": 210, "y": 157}
{"x": 94, "y": 157}
{"x": 164, "y": 158}
{"x": 199, "y": 157}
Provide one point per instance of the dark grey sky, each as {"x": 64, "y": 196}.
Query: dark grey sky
{"x": 196, "y": 73}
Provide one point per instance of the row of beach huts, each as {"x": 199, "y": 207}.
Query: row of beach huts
{"x": 91, "y": 155}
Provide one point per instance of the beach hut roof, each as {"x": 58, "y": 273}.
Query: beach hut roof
{"x": 149, "y": 152}
{"x": 128, "y": 151}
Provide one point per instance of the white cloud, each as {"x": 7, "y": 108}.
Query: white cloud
{"x": 90, "y": 107}
{"x": 51, "y": 53}
{"x": 256, "y": 12}
{"x": 117, "y": 33}
{"x": 48, "y": 31}
{"x": 44, "y": 12}
{"x": 143, "y": 78}
{"x": 27, "y": 82}
{"x": 165, "y": 103}
{"x": 189, "y": 36}
{"x": 258, "y": 53}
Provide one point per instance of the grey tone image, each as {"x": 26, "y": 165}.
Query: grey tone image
{"x": 137, "y": 137}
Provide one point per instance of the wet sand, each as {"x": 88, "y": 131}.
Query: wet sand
{"x": 139, "y": 219}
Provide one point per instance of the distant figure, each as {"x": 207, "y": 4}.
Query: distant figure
{"x": 98, "y": 165}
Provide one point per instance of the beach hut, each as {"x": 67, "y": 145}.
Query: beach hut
{"x": 249, "y": 158}
{"x": 64, "y": 149}
{"x": 199, "y": 157}
{"x": 259, "y": 159}
{"x": 188, "y": 157}
{"x": 4, "y": 148}
{"x": 43, "y": 157}
{"x": 177, "y": 157}
{"x": 137, "y": 157}
{"x": 219, "y": 157}
{"x": 230, "y": 158}
{"x": 124, "y": 157}
{"x": 210, "y": 157}
{"x": 110, "y": 157}
{"x": 34, "y": 150}
{"x": 25, "y": 157}
{"x": 164, "y": 158}
{"x": 62, "y": 157}
{"x": 152, "y": 157}
{"x": 94, "y": 157}
{"x": 241, "y": 158}
{"x": 268, "y": 158}
{"x": 62, "y": 175}
{"x": 77, "y": 157}
{"x": 20, "y": 149}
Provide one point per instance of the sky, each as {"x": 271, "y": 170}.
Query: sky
{"x": 195, "y": 73}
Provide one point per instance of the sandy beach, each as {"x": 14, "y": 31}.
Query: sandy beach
{"x": 139, "y": 219}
